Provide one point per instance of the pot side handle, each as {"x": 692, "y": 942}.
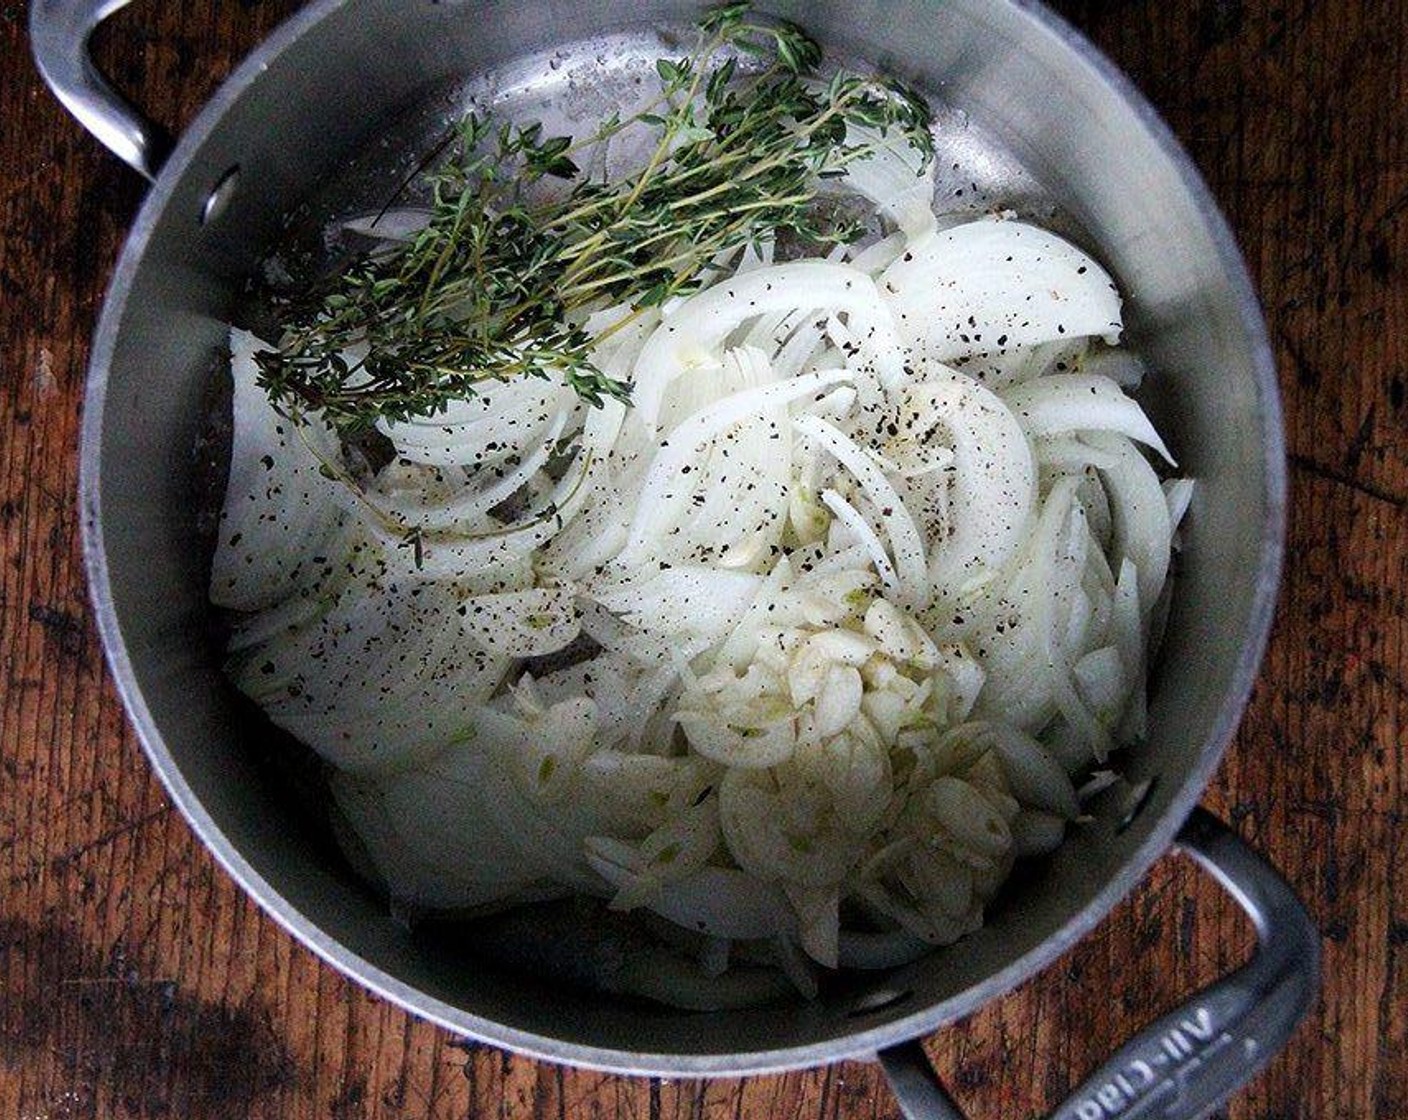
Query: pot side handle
{"x": 59, "y": 31}
{"x": 1189, "y": 1061}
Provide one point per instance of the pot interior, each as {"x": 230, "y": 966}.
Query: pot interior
{"x": 1028, "y": 122}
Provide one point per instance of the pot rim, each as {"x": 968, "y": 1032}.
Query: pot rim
{"x": 861, "y": 1043}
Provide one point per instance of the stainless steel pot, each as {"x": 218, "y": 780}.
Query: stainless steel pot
{"x": 1049, "y": 122}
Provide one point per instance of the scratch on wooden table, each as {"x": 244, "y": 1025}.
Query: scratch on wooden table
{"x": 1303, "y": 462}
{"x": 61, "y": 861}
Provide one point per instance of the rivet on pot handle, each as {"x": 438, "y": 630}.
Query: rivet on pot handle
{"x": 59, "y": 31}
{"x": 1191, "y": 1060}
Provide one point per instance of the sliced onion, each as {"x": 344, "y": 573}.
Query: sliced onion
{"x": 469, "y": 508}
{"x": 897, "y": 177}
{"x": 684, "y": 599}
{"x": 1179, "y": 493}
{"x": 279, "y": 508}
{"x": 376, "y": 677}
{"x": 1128, "y": 628}
{"x": 396, "y": 224}
{"x": 1143, "y": 530}
{"x": 851, "y": 518}
{"x": 657, "y": 502}
{"x": 529, "y": 623}
{"x": 692, "y": 336}
{"x": 502, "y": 419}
{"x": 993, "y": 477}
{"x": 876, "y": 258}
{"x": 1033, "y": 773}
{"x": 997, "y": 283}
{"x": 701, "y": 578}
{"x": 910, "y": 566}
{"x": 1036, "y": 833}
{"x": 874, "y": 951}
{"x": 1080, "y": 402}
{"x": 716, "y": 901}
{"x": 412, "y": 825}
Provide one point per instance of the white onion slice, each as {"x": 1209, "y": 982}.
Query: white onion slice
{"x": 412, "y": 825}
{"x": 501, "y": 419}
{"x": 1081, "y": 402}
{"x": 996, "y": 283}
{"x": 879, "y": 950}
{"x": 897, "y": 177}
{"x": 396, "y": 224}
{"x": 691, "y": 337}
{"x": 876, "y": 258}
{"x": 1035, "y": 833}
{"x": 1143, "y": 530}
{"x": 717, "y": 901}
{"x": 1179, "y": 492}
{"x": 470, "y": 507}
{"x": 1127, "y": 627}
{"x": 528, "y": 623}
{"x": 657, "y": 505}
{"x": 910, "y": 565}
{"x": 684, "y": 599}
{"x": 279, "y": 508}
{"x": 993, "y": 477}
{"x": 851, "y": 518}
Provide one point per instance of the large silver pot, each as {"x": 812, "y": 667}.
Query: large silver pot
{"x": 1038, "y": 94}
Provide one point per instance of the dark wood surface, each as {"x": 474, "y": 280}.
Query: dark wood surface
{"x": 137, "y": 981}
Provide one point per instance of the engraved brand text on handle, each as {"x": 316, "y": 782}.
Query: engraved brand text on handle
{"x": 1151, "y": 1086}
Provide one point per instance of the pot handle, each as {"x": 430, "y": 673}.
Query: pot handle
{"x": 59, "y": 31}
{"x": 1189, "y": 1061}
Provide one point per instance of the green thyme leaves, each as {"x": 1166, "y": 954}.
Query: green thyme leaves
{"x": 742, "y": 134}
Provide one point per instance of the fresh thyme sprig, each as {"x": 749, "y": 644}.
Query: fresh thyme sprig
{"x": 495, "y": 286}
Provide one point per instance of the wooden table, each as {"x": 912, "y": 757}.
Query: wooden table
{"x": 135, "y": 980}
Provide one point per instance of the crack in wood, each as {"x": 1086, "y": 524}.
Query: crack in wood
{"x": 61, "y": 861}
{"x": 1310, "y": 466}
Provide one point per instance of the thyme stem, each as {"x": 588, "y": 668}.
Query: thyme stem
{"x": 493, "y": 287}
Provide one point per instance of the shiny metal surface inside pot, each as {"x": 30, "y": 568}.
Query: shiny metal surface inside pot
{"x": 1032, "y": 122}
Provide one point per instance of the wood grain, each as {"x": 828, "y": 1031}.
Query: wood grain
{"x": 136, "y": 981}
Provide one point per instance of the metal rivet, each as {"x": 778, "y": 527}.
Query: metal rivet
{"x": 878, "y": 999}
{"x": 218, "y": 200}
{"x": 1137, "y": 799}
